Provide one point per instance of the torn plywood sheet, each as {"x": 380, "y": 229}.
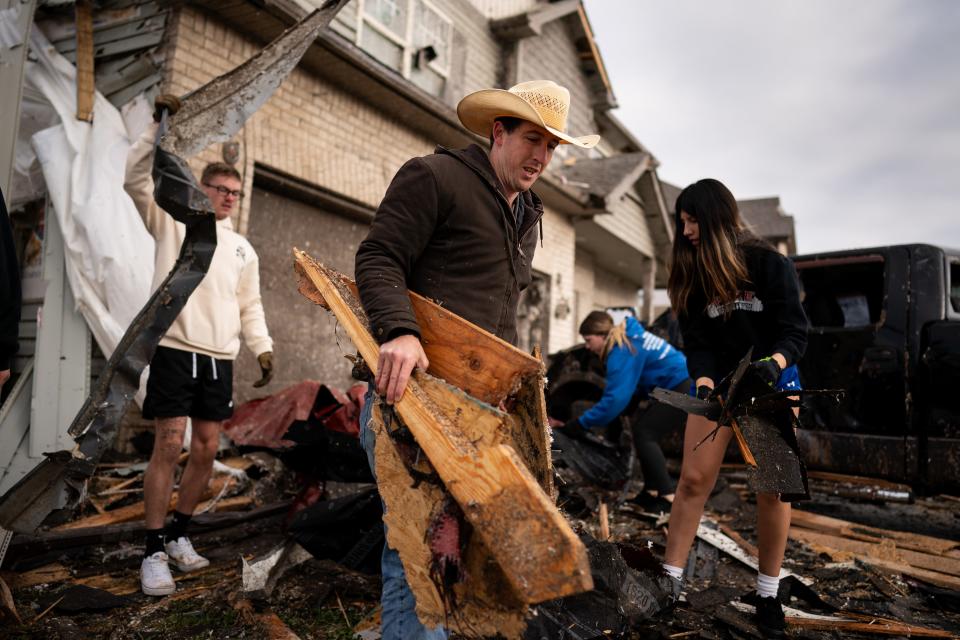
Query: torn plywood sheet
{"x": 486, "y": 604}
{"x": 471, "y": 447}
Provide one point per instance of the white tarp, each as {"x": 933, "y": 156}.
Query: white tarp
{"x": 109, "y": 254}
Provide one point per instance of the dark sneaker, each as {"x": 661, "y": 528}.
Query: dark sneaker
{"x": 769, "y": 617}
{"x": 651, "y": 503}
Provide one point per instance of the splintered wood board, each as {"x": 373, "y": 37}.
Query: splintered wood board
{"x": 520, "y": 525}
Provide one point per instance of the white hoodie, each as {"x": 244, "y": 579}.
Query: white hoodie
{"x": 227, "y": 300}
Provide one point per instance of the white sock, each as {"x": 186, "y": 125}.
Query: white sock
{"x": 767, "y": 586}
{"x": 674, "y": 572}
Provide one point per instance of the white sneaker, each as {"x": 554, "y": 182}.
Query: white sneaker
{"x": 155, "y": 578}
{"x": 184, "y": 557}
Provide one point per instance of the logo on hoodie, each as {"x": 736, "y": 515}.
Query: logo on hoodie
{"x": 746, "y": 301}
{"x": 242, "y": 253}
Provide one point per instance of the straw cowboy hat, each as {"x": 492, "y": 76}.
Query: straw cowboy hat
{"x": 541, "y": 102}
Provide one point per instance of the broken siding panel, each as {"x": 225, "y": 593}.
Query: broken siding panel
{"x": 127, "y": 37}
{"x": 628, "y": 223}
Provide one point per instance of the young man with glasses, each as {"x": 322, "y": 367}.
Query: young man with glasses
{"x": 191, "y": 374}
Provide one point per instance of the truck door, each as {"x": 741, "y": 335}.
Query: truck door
{"x": 857, "y": 306}
{"x": 936, "y": 401}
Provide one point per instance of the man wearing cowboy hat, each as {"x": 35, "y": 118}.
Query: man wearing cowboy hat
{"x": 460, "y": 227}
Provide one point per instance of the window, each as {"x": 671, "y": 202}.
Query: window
{"x": 843, "y": 292}
{"x": 412, "y": 37}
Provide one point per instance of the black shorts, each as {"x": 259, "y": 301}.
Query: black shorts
{"x": 183, "y": 383}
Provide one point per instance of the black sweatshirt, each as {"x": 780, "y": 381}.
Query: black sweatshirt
{"x": 766, "y": 315}
{"x": 9, "y": 291}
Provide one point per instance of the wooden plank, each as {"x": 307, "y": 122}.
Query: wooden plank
{"x": 461, "y": 353}
{"x": 886, "y": 550}
{"x": 877, "y": 626}
{"x": 409, "y": 509}
{"x": 847, "y": 529}
{"x": 745, "y": 544}
{"x": 520, "y": 525}
{"x": 136, "y": 511}
{"x": 46, "y": 574}
{"x": 85, "y": 80}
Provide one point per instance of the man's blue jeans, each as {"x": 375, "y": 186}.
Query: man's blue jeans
{"x": 398, "y": 615}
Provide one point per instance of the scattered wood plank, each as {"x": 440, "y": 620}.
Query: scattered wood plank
{"x": 745, "y": 544}
{"x": 530, "y": 539}
{"x": 884, "y": 550}
{"x": 136, "y": 511}
{"x": 878, "y": 626}
{"x": 7, "y": 606}
{"x": 847, "y": 529}
{"x": 85, "y": 79}
{"x": 604, "y": 523}
{"x": 28, "y": 545}
{"x": 54, "y": 572}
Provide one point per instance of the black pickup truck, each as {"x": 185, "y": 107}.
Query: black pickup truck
{"x": 885, "y": 326}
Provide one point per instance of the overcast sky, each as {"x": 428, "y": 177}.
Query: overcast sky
{"x": 849, "y": 110}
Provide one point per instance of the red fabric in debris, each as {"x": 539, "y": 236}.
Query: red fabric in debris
{"x": 264, "y": 421}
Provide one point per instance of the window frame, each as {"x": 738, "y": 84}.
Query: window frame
{"x": 406, "y": 43}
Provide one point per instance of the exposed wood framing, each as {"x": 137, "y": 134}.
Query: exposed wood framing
{"x": 85, "y": 79}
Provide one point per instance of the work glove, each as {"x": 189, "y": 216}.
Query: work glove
{"x": 165, "y": 102}
{"x": 703, "y": 392}
{"x": 767, "y": 369}
{"x": 266, "y": 368}
{"x": 573, "y": 429}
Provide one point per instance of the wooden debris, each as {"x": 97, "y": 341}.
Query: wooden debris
{"x": 46, "y": 574}
{"x": 884, "y": 550}
{"x": 852, "y": 530}
{"x": 85, "y": 80}
{"x": 604, "y": 523}
{"x": 136, "y": 511}
{"x": 7, "y": 607}
{"x": 745, "y": 544}
{"x": 877, "y": 626}
{"x": 471, "y": 446}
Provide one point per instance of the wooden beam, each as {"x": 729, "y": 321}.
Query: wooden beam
{"x": 520, "y": 525}
{"x": 85, "y": 79}
{"x": 876, "y": 626}
{"x": 136, "y": 510}
{"x": 885, "y": 550}
{"x": 461, "y": 353}
{"x": 846, "y": 529}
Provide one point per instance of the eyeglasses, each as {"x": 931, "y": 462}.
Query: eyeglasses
{"x": 222, "y": 190}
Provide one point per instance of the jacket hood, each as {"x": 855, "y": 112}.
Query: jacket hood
{"x": 634, "y": 328}
{"x": 478, "y": 160}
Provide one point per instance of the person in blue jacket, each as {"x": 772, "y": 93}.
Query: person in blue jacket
{"x": 635, "y": 361}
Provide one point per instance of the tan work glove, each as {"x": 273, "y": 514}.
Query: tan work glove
{"x": 266, "y": 368}
{"x": 165, "y": 102}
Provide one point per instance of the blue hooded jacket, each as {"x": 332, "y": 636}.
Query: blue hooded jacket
{"x": 653, "y": 363}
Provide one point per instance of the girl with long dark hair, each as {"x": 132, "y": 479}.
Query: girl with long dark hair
{"x": 732, "y": 291}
